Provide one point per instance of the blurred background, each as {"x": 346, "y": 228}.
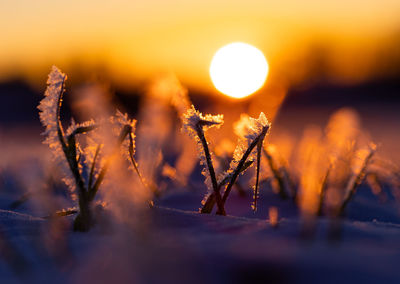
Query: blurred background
{"x": 322, "y": 55}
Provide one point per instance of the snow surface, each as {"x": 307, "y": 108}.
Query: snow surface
{"x": 181, "y": 246}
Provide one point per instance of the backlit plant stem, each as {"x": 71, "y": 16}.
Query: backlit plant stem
{"x": 200, "y": 134}
{"x": 242, "y": 165}
{"x": 210, "y": 202}
{"x": 242, "y": 162}
{"x": 259, "y": 146}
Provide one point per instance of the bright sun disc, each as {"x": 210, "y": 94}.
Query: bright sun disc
{"x": 238, "y": 69}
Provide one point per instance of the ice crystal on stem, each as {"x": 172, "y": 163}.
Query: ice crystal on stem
{"x": 74, "y": 128}
{"x": 249, "y": 128}
{"x": 193, "y": 119}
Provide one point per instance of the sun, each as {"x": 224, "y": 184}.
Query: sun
{"x": 238, "y": 69}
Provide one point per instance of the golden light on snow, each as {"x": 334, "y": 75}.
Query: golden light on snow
{"x": 238, "y": 69}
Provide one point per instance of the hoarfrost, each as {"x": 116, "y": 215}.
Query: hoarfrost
{"x": 248, "y": 129}
{"x": 195, "y": 124}
{"x": 49, "y": 112}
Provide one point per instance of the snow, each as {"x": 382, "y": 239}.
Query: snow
{"x": 178, "y": 246}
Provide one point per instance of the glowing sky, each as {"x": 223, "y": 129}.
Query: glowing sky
{"x": 139, "y": 38}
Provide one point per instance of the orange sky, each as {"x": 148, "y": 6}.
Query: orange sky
{"x": 136, "y": 39}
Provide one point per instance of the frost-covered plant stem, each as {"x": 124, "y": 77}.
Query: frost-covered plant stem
{"x": 195, "y": 124}
{"x": 84, "y": 221}
{"x": 242, "y": 162}
{"x": 216, "y": 188}
{"x": 209, "y": 204}
{"x": 255, "y": 197}
{"x": 68, "y": 153}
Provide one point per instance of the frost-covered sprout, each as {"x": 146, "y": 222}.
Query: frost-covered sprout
{"x": 68, "y": 152}
{"x": 195, "y": 124}
{"x": 61, "y": 144}
{"x": 251, "y": 133}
